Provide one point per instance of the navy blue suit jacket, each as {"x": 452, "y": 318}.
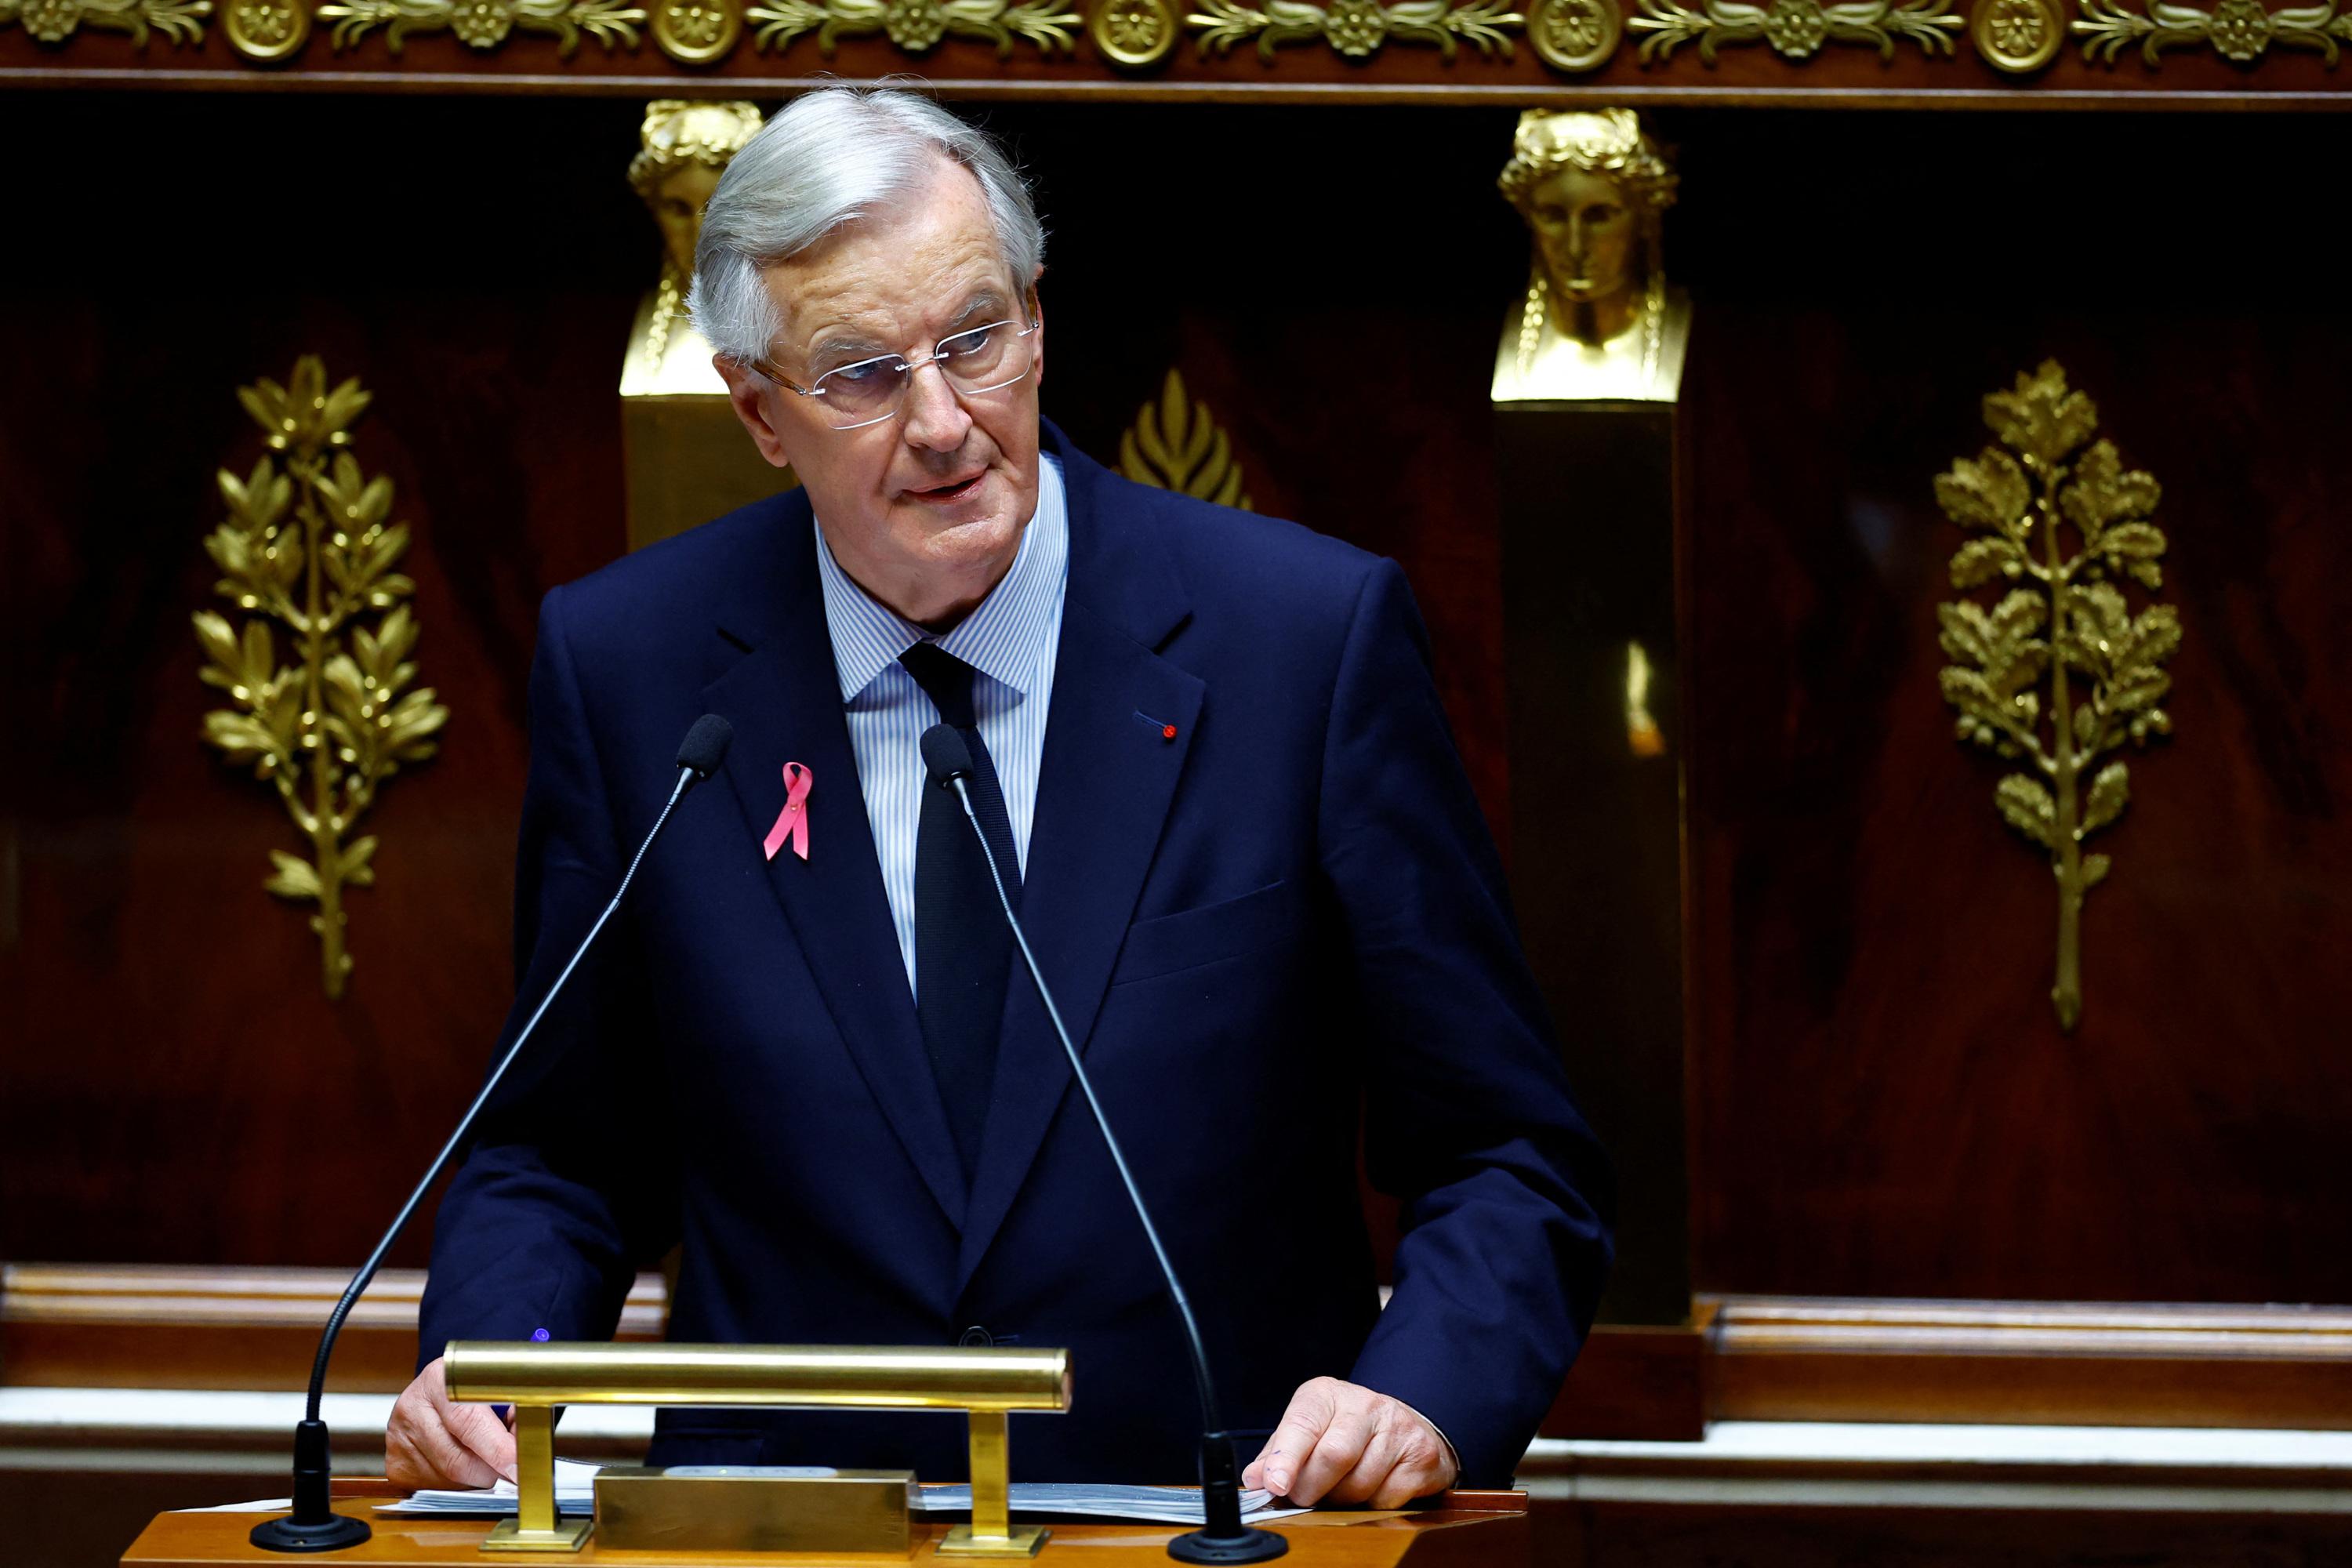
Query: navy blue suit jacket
{"x": 1283, "y": 924}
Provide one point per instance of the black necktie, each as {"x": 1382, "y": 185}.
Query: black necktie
{"x": 963, "y": 949}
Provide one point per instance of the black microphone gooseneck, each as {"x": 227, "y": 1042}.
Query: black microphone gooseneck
{"x": 1223, "y": 1539}
{"x": 314, "y": 1526}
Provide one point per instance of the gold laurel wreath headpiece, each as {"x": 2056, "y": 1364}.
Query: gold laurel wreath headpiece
{"x": 678, "y": 132}
{"x": 1609, "y": 142}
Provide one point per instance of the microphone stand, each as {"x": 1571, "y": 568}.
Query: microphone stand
{"x": 1223, "y": 1537}
{"x": 314, "y": 1526}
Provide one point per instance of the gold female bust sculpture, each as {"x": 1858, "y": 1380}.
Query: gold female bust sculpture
{"x": 1599, "y": 323}
{"x": 684, "y": 148}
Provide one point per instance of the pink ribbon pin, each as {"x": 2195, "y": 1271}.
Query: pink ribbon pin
{"x": 792, "y": 821}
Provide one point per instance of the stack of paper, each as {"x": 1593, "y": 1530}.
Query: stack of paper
{"x": 575, "y": 1493}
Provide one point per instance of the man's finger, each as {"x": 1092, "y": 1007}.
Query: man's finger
{"x": 445, "y": 1457}
{"x": 1410, "y": 1478}
{"x": 1293, "y": 1443}
{"x": 1380, "y": 1457}
{"x": 478, "y": 1428}
{"x": 1335, "y": 1452}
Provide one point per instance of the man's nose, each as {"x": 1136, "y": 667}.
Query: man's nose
{"x": 934, "y": 416}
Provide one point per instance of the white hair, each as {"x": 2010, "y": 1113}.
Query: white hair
{"x": 832, "y": 157}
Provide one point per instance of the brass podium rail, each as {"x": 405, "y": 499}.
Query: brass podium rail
{"x": 987, "y": 1383}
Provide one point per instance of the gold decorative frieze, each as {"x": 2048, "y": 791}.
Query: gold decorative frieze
{"x": 2019, "y": 36}
{"x": 918, "y": 25}
{"x": 1796, "y": 29}
{"x": 1177, "y": 446}
{"x": 1575, "y": 34}
{"x": 2240, "y": 30}
{"x": 1357, "y": 29}
{"x": 485, "y": 24}
{"x": 2064, "y": 629}
{"x": 306, "y": 547}
{"x": 54, "y": 21}
{"x": 1137, "y": 33}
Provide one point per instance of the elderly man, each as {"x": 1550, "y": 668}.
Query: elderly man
{"x": 1207, "y": 748}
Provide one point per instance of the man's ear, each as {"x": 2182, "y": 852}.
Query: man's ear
{"x": 747, "y": 392}
{"x": 1037, "y": 314}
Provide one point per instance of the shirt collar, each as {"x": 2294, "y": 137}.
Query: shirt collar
{"x": 1001, "y": 636}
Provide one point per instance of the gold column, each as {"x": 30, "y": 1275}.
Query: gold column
{"x": 535, "y": 1526}
{"x": 1586, "y": 378}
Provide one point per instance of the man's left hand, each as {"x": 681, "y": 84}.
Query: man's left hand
{"x": 1340, "y": 1442}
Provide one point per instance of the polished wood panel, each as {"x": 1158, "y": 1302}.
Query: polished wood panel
{"x": 148, "y": 1327}
{"x": 2061, "y": 1363}
{"x": 1485, "y": 1534}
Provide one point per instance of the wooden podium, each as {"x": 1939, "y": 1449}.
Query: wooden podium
{"x": 1469, "y": 1530}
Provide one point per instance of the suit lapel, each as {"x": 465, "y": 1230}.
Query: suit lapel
{"x": 1104, "y": 788}
{"x": 784, "y": 701}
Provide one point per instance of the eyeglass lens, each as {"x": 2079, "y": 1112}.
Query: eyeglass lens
{"x": 982, "y": 360}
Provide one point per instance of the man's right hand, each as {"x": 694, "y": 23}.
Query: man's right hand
{"x": 432, "y": 1442}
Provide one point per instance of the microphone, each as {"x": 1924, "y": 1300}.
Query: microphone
{"x": 1223, "y": 1539}
{"x": 314, "y": 1526}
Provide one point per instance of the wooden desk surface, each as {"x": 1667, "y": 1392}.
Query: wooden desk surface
{"x": 1434, "y": 1538}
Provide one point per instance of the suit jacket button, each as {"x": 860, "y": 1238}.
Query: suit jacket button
{"x": 976, "y": 1335}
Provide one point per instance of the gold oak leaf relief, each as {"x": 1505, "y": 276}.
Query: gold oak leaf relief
{"x": 2057, "y": 672}
{"x": 306, "y": 547}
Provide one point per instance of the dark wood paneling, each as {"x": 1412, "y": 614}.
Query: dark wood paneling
{"x": 1884, "y": 1102}
{"x": 1881, "y": 1104}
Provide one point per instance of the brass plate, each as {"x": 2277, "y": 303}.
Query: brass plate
{"x": 1024, "y": 1541}
{"x": 507, "y": 1535}
{"x": 754, "y": 1508}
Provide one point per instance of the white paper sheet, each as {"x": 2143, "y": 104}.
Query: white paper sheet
{"x": 575, "y": 1494}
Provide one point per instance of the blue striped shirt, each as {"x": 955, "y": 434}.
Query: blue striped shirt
{"x": 1011, "y": 638}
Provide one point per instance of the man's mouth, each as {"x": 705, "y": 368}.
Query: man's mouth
{"x": 961, "y": 490}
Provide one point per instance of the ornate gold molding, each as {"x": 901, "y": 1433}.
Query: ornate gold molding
{"x": 2066, "y": 618}
{"x": 54, "y": 21}
{"x": 485, "y": 24}
{"x": 1357, "y": 29}
{"x": 2240, "y": 30}
{"x": 2019, "y": 36}
{"x": 1177, "y": 446}
{"x": 1796, "y": 29}
{"x": 307, "y": 547}
{"x": 917, "y": 25}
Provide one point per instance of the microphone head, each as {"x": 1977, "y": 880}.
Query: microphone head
{"x": 945, "y": 754}
{"x": 705, "y": 746}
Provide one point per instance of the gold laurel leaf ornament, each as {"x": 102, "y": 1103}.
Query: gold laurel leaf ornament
{"x": 267, "y": 31}
{"x": 307, "y": 549}
{"x": 2057, "y": 671}
{"x": 1135, "y": 33}
{"x": 2019, "y": 36}
{"x": 696, "y": 32}
{"x": 1575, "y": 36}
